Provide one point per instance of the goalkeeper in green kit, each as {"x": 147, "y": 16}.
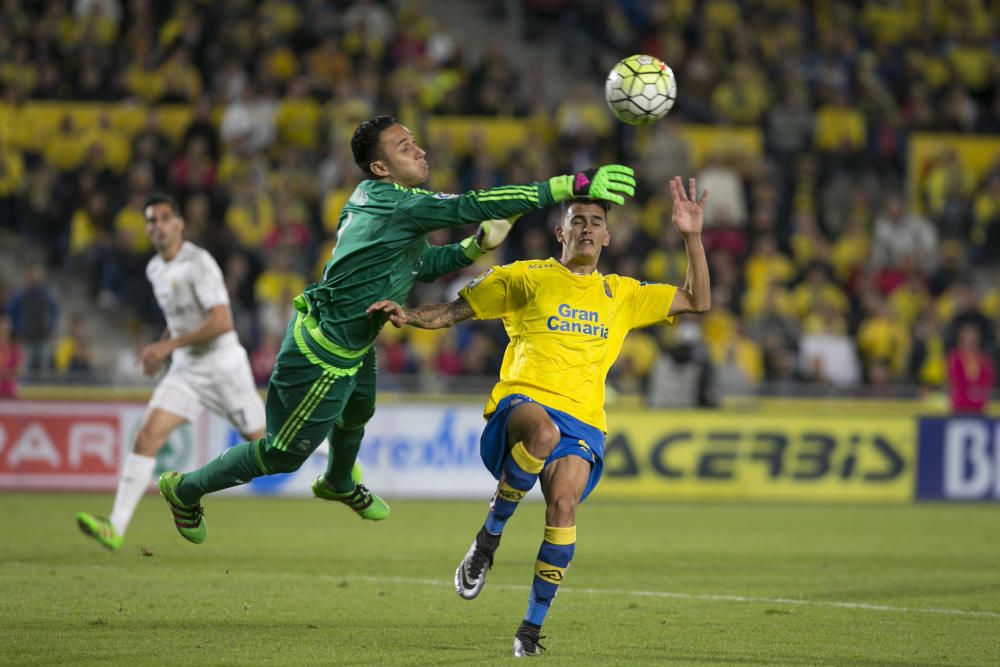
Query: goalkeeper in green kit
{"x": 323, "y": 384}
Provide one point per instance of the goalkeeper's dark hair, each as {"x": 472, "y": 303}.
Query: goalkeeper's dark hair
{"x": 162, "y": 198}
{"x": 603, "y": 203}
{"x": 365, "y": 142}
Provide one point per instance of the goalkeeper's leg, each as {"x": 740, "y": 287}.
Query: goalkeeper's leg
{"x": 304, "y": 400}
{"x": 342, "y": 480}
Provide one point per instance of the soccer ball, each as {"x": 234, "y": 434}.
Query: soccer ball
{"x": 640, "y": 89}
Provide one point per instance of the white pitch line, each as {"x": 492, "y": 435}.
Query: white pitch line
{"x": 701, "y": 597}
{"x": 704, "y": 597}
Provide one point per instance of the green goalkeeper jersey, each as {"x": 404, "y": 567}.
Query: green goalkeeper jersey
{"x": 382, "y": 249}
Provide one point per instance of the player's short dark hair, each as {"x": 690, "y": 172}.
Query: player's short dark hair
{"x": 603, "y": 203}
{"x": 162, "y": 198}
{"x": 365, "y": 142}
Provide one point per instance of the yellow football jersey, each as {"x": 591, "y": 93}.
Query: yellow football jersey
{"x": 565, "y": 330}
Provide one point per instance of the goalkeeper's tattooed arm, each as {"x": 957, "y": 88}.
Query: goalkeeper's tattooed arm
{"x": 436, "y": 316}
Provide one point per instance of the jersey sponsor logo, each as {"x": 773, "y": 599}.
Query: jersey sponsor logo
{"x": 478, "y": 279}
{"x": 443, "y": 195}
{"x": 359, "y": 197}
{"x": 539, "y": 266}
{"x": 576, "y": 320}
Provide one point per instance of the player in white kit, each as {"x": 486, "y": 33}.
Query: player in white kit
{"x": 208, "y": 366}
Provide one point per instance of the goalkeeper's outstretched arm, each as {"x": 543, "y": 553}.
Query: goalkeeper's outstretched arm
{"x": 430, "y": 210}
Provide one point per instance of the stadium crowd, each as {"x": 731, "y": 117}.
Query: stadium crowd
{"x": 829, "y": 267}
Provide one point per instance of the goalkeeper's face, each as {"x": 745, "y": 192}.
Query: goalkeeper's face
{"x": 401, "y": 160}
{"x": 163, "y": 226}
{"x": 584, "y": 231}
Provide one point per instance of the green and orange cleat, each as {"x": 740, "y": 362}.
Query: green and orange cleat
{"x": 365, "y": 504}
{"x": 188, "y": 519}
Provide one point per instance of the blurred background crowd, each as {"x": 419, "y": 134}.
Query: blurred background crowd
{"x": 851, "y": 150}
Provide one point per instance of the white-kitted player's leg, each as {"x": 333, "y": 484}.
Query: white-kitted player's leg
{"x": 174, "y": 402}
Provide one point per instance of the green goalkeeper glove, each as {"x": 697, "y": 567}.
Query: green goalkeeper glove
{"x": 491, "y": 233}
{"x": 602, "y": 183}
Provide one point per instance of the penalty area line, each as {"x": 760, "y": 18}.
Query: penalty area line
{"x": 701, "y": 597}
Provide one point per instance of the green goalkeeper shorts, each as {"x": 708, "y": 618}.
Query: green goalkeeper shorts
{"x": 306, "y": 396}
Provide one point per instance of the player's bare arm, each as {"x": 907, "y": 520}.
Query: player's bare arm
{"x": 688, "y": 216}
{"x": 218, "y": 322}
{"x": 435, "y": 316}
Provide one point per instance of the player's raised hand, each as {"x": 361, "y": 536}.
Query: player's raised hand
{"x": 689, "y": 212}
{"x": 391, "y": 310}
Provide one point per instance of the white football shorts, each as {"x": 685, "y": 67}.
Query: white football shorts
{"x": 228, "y": 391}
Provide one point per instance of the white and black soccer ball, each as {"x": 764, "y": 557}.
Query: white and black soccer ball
{"x": 640, "y": 89}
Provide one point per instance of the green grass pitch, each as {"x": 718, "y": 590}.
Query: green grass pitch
{"x": 298, "y": 581}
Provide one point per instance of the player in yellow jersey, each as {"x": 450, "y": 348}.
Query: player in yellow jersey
{"x": 545, "y": 418}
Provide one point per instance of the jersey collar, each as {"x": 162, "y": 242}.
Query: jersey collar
{"x": 562, "y": 266}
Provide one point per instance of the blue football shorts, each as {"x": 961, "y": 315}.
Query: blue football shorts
{"x": 576, "y": 439}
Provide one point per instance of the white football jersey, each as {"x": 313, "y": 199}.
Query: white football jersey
{"x": 186, "y": 288}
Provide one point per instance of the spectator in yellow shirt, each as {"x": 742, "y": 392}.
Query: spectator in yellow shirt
{"x": 112, "y": 142}
{"x": 87, "y": 227}
{"x": 274, "y": 291}
{"x": 64, "y": 150}
{"x": 910, "y": 298}
{"x": 130, "y": 224}
{"x": 851, "y": 249}
{"x": 250, "y": 216}
{"x": 742, "y": 97}
{"x": 297, "y": 118}
{"x": 882, "y": 336}
{"x": 580, "y": 116}
{"x": 766, "y": 264}
{"x": 948, "y": 182}
{"x": 974, "y": 63}
{"x": 808, "y": 243}
{"x": 278, "y": 280}
{"x": 773, "y": 297}
{"x": 840, "y": 128}
{"x": 927, "y": 361}
{"x": 739, "y": 364}
{"x": 73, "y": 357}
{"x": 278, "y": 62}
{"x": 181, "y": 79}
{"x": 819, "y": 290}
